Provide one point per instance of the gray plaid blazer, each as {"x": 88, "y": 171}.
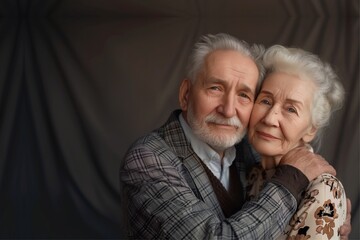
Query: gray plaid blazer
{"x": 167, "y": 193}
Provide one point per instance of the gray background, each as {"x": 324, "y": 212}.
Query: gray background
{"x": 80, "y": 80}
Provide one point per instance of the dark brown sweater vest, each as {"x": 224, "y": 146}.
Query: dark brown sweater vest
{"x": 230, "y": 201}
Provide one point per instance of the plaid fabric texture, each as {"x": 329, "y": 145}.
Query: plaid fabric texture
{"x": 168, "y": 195}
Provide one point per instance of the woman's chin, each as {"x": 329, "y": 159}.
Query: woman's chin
{"x": 266, "y": 151}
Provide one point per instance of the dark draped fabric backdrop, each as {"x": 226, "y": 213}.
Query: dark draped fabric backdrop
{"x": 80, "y": 80}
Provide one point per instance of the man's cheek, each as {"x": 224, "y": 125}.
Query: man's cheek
{"x": 245, "y": 117}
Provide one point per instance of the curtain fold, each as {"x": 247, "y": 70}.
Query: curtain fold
{"x": 75, "y": 92}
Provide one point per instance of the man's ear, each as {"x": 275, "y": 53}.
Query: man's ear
{"x": 310, "y": 135}
{"x": 184, "y": 94}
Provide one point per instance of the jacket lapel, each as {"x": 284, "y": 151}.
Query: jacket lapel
{"x": 202, "y": 182}
{"x": 191, "y": 168}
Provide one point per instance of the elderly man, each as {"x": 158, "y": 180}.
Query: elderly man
{"x": 186, "y": 179}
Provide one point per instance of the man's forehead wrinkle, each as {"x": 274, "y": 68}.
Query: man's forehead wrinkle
{"x": 237, "y": 71}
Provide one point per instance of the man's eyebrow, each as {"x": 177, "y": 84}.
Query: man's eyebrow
{"x": 216, "y": 80}
{"x": 246, "y": 88}
{"x": 243, "y": 86}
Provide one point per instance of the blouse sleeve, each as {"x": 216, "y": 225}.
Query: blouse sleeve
{"x": 321, "y": 212}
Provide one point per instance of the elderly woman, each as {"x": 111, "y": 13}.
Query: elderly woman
{"x": 294, "y": 104}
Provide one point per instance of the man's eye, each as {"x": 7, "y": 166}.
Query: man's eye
{"x": 244, "y": 95}
{"x": 215, "y": 88}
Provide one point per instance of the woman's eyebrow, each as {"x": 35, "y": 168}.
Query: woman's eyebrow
{"x": 292, "y": 100}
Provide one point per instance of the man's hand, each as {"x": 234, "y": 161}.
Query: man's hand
{"x": 310, "y": 164}
{"x": 345, "y": 229}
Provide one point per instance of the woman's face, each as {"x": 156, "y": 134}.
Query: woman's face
{"x": 281, "y": 117}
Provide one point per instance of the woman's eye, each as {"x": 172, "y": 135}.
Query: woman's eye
{"x": 265, "y": 101}
{"x": 292, "y": 110}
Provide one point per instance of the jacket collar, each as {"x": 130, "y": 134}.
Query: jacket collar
{"x": 175, "y": 137}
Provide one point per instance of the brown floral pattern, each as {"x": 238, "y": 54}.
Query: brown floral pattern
{"x": 324, "y": 205}
{"x": 325, "y": 218}
{"x": 321, "y": 212}
{"x": 335, "y": 186}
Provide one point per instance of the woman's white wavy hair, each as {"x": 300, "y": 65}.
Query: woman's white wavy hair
{"x": 329, "y": 95}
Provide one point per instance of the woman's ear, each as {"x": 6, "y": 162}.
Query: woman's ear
{"x": 310, "y": 135}
{"x": 184, "y": 92}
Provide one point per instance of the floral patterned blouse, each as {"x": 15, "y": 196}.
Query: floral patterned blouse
{"x": 321, "y": 212}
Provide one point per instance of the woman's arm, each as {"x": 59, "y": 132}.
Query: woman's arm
{"x": 322, "y": 211}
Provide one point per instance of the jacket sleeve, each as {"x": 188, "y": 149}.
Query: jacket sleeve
{"x": 160, "y": 204}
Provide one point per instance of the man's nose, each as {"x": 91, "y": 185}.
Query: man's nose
{"x": 227, "y": 106}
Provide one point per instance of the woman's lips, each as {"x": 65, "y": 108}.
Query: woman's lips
{"x": 266, "y": 135}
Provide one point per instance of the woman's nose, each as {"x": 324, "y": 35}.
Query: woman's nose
{"x": 272, "y": 117}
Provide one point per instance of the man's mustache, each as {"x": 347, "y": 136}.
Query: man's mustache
{"x": 234, "y": 121}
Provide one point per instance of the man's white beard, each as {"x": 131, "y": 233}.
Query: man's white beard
{"x": 216, "y": 141}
